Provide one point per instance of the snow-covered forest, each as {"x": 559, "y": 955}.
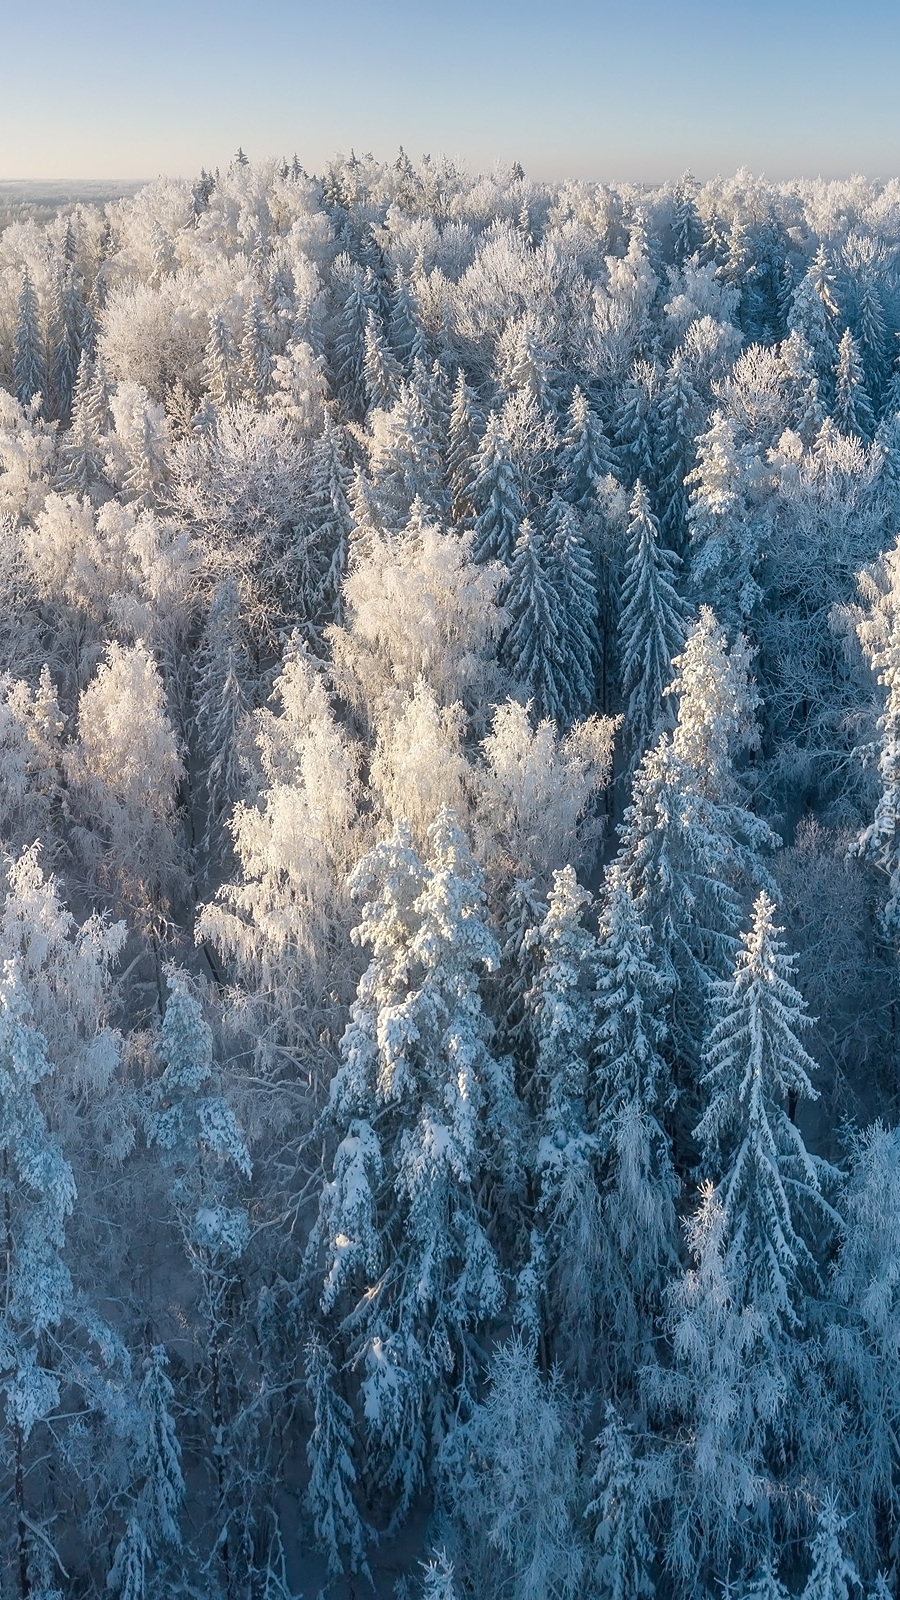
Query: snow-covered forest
{"x": 450, "y": 812}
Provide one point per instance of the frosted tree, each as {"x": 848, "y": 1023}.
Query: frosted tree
{"x": 437, "y": 1579}
{"x": 863, "y": 1335}
{"x": 256, "y": 354}
{"x": 158, "y": 1458}
{"x": 637, "y": 424}
{"x": 64, "y": 341}
{"x": 383, "y": 373}
{"x": 618, "y": 1514}
{"x": 576, "y": 585}
{"x": 406, "y": 1264}
{"x": 879, "y": 635}
{"x": 833, "y": 1575}
{"x": 560, "y": 1010}
{"x": 126, "y": 768}
{"x": 221, "y": 363}
{"x": 585, "y": 457}
{"x": 725, "y": 536}
{"x": 652, "y": 626}
{"x": 82, "y": 451}
{"x": 29, "y": 361}
{"x": 756, "y": 1074}
{"x": 128, "y": 1574}
{"x": 872, "y": 336}
{"x": 852, "y": 412}
{"x": 202, "y": 1145}
{"x": 405, "y": 324}
{"x": 333, "y": 1477}
{"x": 631, "y": 1091}
{"x": 718, "y": 1397}
{"x": 811, "y": 321}
{"x": 689, "y": 843}
{"x": 496, "y": 492}
{"x": 518, "y": 1500}
{"x": 678, "y": 418}
{"x": 404, "y": 464}
{"x": 327, "y": 550}
{"x": 687, "y": 229}
{"x": 221, "y": 705}
{"x": 534, "y": 647}
{"x": 463, "y": 437}
{"x": 39, "y": 1196}
{"x": 357, "y": 290}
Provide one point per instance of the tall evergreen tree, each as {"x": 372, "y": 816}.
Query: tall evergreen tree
{"x": 29, "y": 360}
{"x": 652, "y": 625}
{"x": 496, "y": 491}
{"x": 534, "y": 646}
{"x": 853, "y": 412}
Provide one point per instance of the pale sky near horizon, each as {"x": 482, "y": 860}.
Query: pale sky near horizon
{"x": 583, "y": 88}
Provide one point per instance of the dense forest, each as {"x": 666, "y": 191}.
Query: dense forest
{"x": 450, "y": 812}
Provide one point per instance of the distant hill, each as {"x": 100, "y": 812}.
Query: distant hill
{"x": 42, "y": 199}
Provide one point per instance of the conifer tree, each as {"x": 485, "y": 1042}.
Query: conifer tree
{"x": 407, "y": 1266}
{"x": 256, "y": 354}
{"x": 82, "y": 450}
{"x": 637, "y": 425}
{"x": 576, "y": 585}
{"x": 64, "y": 339}
{"x": 534, "y": 646}
{"x": 464, "y": 433}
{"x": 633, "y": 1095}
{"x": 585, "y": 457}
{"x": 383, "y": 375}
{"x": 221, "y": 363}
{"x": 687, "y": 229}
{"x": 332, "y": 1483}
{"x": 357, "y": 287}
{"x": 689, "y": 843}
{"x": 29, "y": 361}
{"x": 853, "y": 412}
{"x": 833, "y": 1575}
{"x": 496, "y": 492}
{"x": 677, "y": 426}
{"x": 652, "y": 625}
{"x": 618, "y": 1514}
{"x": 756, "y": 1073}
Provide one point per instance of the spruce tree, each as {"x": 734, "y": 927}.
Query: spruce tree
{"x": 29, "y": 361}
{"x": 534, "y": 646}
{"x": 756, "y": 1073}
{"x": 853, "y": 412}
{"x": 652, "y": 625}
{"x": 496, "y": 491}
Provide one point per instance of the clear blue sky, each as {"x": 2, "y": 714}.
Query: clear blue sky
{"x": 635, "y": 90}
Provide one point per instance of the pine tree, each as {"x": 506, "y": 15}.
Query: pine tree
{"x": 756, "y": 1073}
{"x": 221, "y": 706}
{"x": 689, "y": 843}
{"x": 437, "y": 1578}
{"x": 128, "y": 1574}
{"x": 632, "y": 1090}
{"x": 725, "y": 535}
{"x": 407, "y": 1265}
{"x": 873, "y": 339}
{"x": 256, "y": 354}
{"x": 833, "y": 1575}
{"x": 82, "y": 450}
{"x": 221, "y": 363}
{"x": 812, "y": 318}
{"x": 357, "y": 288}
{"x": 853, "y": 412}
{"x": 533, "y": 647}
{"x": 652, "y": 625}
{"x": 405, "y": 466}
{"x": 677, "y": 427}
{"x": 64, "y": 339}
{"x": 383, "y": 375}
{"x": 29, "y": 361}
{"x": 575, "y": 582}
{"x": 406, "y": 332}
{"x": 332, "y": 1482}
{"x": 637, "y": 425}
{"x": 158, "y": 1458}
{"x": 496, "y": 491}
{"x": 585, "y": 457}
{"x": 618, "y": 1514}
{"x": 687, "y": 229}
{"x": 464, "y": 434}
